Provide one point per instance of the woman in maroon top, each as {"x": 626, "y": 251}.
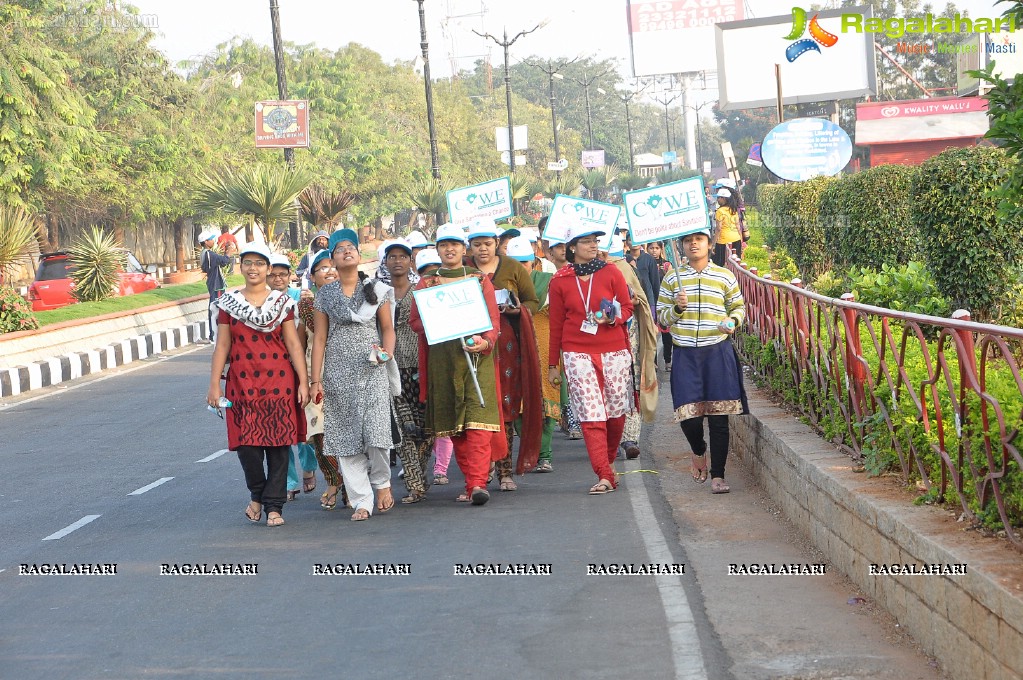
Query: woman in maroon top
{"x": 589, "y": 307}
{"x": 266, "y": 383}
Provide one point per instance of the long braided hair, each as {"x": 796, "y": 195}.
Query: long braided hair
{"x": 368, "y": 289}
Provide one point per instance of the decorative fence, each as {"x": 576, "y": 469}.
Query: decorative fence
{"x": 939, "y": 400}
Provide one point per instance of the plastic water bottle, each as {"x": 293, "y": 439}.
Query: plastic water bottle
{"x": 224, "y": 402}
{"x": 727, "y": 325}
{"x": 470, "y": 342}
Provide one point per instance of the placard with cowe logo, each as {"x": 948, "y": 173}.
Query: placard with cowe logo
{"x": 667, "y": 210}
{"x": 571, "y": 212}
{"x": 491, "y": 199}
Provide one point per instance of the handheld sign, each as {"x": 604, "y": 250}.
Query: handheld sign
{"x": 666, "y": 211}
{"x": 491, "y": 199}
{"x": 453, "y": 310}
{"x": 569, "y": 211}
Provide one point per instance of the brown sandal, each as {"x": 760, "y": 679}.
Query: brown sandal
{"x": 718, "y": 485}
{"x": 602, "y": 487}
{"x": 698, "y": 468}
{"x": 309, "y": 483}
{"x": 414, "y": 497}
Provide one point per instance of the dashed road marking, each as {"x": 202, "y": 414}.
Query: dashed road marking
{"x": 147, "y": 487}
{"x": 71, "y": 527}
{"x": 213, "y": 456}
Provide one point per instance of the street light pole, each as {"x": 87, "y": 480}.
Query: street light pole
{"x": 552, "y": 73}
{"x": 507, "y": 83}
{"x": 665, "y": 101}
{"x": 282, "y": 93}
{"x": 626, "y": 99}
{"x": 585, "y": 84}
{"x": 434, "y": 155}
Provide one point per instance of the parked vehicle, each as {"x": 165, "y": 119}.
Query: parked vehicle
{"x": 53, "y": 285}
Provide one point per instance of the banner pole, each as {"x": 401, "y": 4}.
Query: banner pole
{"x": 472, "y": 372}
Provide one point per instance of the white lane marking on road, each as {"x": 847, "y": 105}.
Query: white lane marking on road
{"x": 213, "y": 456}
{"x": 101, "y": 378}
{"x": 71, "y": 527}
{"x": 147, "y": 487}
{"x": 685, "y": 642}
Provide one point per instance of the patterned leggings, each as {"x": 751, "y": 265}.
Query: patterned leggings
{"x": 415, "y": 447}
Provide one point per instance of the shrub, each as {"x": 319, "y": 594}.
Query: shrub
{"x": 830, "y": 284}
{"x": 971, "y": 251}
{"x": 17, "y": 231}
{"x": 909, "y": 288}
{"x": 96, "y": 260}
{"x": 866, "y": 218}
{"x": 15, "y": 313}
{"x": 798, "y": 206}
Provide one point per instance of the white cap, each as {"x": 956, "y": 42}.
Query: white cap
{"x": 578, "y": 231}
{"x": 532, "y": 233}
{"x": 724, "y": 193}
{"x": 482, "y": 227}
{"x": 256, "y": 248}
{"x": 426, "y": 257}
{"x": 278, "y": 260}
{"x": 519, "y": 248}
{"x": 705, "y": 232}
{"x": 396, "y": 243}
{"x": 617, "y": 246}
{"x": 726, "y": 182}
{"x": 416, "y": 239}
{"x": 450, "y": 232}
{"x": 207, "y": 233}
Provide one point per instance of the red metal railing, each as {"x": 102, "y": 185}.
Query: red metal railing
{"x": 939, "y": 399}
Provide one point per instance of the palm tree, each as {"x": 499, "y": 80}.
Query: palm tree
{"x": 566, "y": 184}
{"x": 17, "y": 231}
{"x": 522, "y": 189}
{"x": 630, "y": 182}
{"x": 595, "y": 182}
{"x": 323, "y": 208}
{"x": 430, "y": 196}
{"x": 263, "y": 194}
{"x": 675, "y": 174}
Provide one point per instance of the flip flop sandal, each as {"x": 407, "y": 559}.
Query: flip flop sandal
{"x": 360, "y": 515}
{"x": 600, "y": 488}
{"x": 328, "y": 501}
{"x": 718, "y": 485}
{"x": 248, "y": 514}
{"x": 309, "y": 484}
{"x": 698, "y": 468}
{"x": 413, "y": 498}
{"x": 463, "y": 498}
{"x": 384, "y": 507}
{"x": 277, "y": 521}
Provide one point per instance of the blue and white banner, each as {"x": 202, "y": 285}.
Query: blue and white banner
{"x": 453, "y": 310}
{"x": 666, "y": 211}
{"x": 571, "y": 212}
{"x": 491, "y": 199}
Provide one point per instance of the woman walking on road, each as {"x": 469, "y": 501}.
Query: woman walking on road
{"x": 266, "y": 383}
{"x": 517, "y": 358}
{"x": 446, "y": 384}
{"x": 589, "y": 307}
{"x": 727, "y": 218}
{"x": 351, "y": 360}
{"x": 321, "y": 272}
{"x": 702, "y": 305}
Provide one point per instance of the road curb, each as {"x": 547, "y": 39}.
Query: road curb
{"x": 971, "y": 623}
{"x": 58, "y": 369}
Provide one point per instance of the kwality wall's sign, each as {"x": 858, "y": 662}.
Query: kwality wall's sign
{"x": 666, "y": 211}
{"x": 571, "y": 212}
{"x": 919, "y": 107}
{"x": 804, "y": 148}
{"x": 491, "y": 199}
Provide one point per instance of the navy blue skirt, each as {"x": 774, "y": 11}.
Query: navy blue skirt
{"x": 707, "y": 381}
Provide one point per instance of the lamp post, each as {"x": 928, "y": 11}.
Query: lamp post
{"x": 585, "y": 84}
{"x": 626, "y": 98}
{"x": 506, "y": 43}
{"x": 282, "y": 93}
{"x": 434, "y": 155}
{"x": 666, "y": 101}
{"x": 552, "y": 73}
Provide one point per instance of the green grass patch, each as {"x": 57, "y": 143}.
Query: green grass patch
{"x": 85, "y": 310}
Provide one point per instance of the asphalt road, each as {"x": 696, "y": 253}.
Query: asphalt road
{"x": 124, "y": 470}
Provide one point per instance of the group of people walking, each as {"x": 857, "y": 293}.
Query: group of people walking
{"x": 346, "y": 369}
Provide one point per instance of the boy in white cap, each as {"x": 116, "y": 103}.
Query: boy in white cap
{"x": 212, "y": 263}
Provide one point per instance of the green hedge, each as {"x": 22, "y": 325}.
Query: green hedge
{"x": 971, "y": 252}
{"x": 795, "y": 211}
{"x": 866, "y": 218}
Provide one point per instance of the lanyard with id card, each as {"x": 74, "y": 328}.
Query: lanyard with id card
{"x": 589, "y": 325}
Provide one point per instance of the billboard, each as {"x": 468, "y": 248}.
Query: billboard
{"x": 977, "y": 50}
{"x": 282, "y": 124}
{"x": 804, "y": 148}
{"x": 676, "y": 36}
{"x": 830, "y": 64}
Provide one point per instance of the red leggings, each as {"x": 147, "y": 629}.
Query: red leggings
{"x": 602, "y": 440}
{"x": 472, "y": 453}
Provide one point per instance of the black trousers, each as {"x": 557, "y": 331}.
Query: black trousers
{"x": 720, "y": 253}
{"x": 693, "y": 430}
{"x": 269, "y": 487}
{"x": 667, "y": 347}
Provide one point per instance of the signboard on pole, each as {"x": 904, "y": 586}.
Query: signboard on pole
{"x": 666, "y": 211}
{"x": 282, "y": 124}
{"x": 453, "y": 310}
{"x": 571, "y": 212}
{"x": 804, "y": 148}
{"x": 593, "y": 158}
{"x": 491, "y": 199}
{"x": 558, "y": 166}
{"x": 656, "y": 29}
{"x": 754, "y": 158}
{"x": 669, "y": 157}
{"x": 520, "y": 137}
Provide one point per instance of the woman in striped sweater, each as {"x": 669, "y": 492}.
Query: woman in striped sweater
{"x": 702, "y": 306}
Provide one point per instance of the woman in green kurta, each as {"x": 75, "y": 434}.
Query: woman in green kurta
{"x": 453, "y": 408}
